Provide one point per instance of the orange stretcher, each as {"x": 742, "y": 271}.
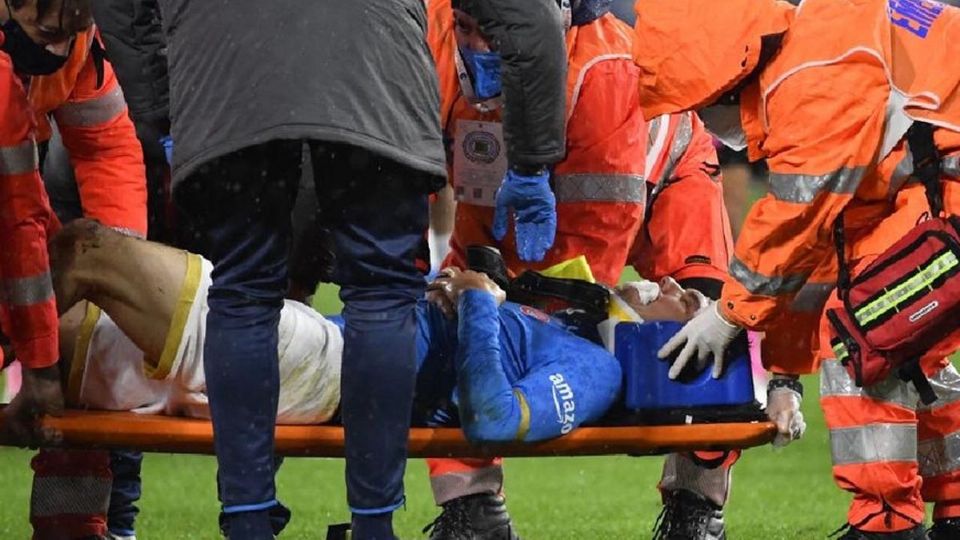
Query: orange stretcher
{"x": 124, "y": 430}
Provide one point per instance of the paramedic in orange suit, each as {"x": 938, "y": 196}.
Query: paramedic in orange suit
{"x": 826, "y": 93}
{"x": 85, "y": 100}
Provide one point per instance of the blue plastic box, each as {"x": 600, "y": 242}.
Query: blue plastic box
{"x": 647, "y": 386}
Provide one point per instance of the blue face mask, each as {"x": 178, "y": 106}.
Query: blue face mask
{"x": 484, "y": 69}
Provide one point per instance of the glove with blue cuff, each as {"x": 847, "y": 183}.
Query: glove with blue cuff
{"x": 529, "y": 197}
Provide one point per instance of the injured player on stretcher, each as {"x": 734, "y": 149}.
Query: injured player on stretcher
{"x": 133, "y": 327}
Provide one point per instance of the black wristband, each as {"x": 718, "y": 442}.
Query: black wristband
{"x": 792, "y": 384}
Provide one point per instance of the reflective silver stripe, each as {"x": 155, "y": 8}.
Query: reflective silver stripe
{"x": 653, "y": 129}
{"x": 58, "y": 495}
{"x": 93, "y": 111}
{"x": 803, "y": 188}
{"x": 765, "y": 285}
{"x": 26, "y": 291}
{"x": 678, "y": 147}
{"x": 19, "y": 159}
{"x": 946, "y": 384}
{"x": 835, "y": 381}
{"x": 874, "y": 443}
{"x": 812, "y": 297}
{"x": 630, "y": 188}
{"x": 951, "y": 166}
{"x": 939, "y": 456}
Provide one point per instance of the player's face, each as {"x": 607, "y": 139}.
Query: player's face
{"x": 673, "y": 304}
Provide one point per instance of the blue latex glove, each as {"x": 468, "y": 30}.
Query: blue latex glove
{"x": 167, "y": 143}
{"x": 535, "y": 213}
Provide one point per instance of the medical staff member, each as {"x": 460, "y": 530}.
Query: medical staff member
{"x": 354, "y": 80}
{"x": 826, "y": 93}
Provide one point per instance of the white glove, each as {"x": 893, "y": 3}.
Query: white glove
{"x": 706, "y": 333}
{"x": 783, "y": 409}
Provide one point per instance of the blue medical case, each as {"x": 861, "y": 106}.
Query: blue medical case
{"x": 648, "y": 388}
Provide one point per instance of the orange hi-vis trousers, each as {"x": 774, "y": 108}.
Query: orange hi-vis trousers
{"x": 891, "y": 451}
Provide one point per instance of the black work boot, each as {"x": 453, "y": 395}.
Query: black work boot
{"x": 944, "y": 529}
{"x": 916, "y": 533}
{"x": 688, "y": 516}
{"x": 473, "y": 517}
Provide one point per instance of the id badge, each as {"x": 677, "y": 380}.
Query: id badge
{"x": 479, "y": 161}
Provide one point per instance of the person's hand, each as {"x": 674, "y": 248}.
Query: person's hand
{"x": 783, "y": 409}
{"x": 40, "y": 394}
{"x": 445, "y": 291}
{"x": 534, "y": 209}
{"x": 706, "y": 333}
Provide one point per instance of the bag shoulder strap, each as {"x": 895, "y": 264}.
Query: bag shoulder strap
{"x": 926, "y": 164}
{"x": 926, "y": 169}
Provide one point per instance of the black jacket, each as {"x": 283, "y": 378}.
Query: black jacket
{"x": 134, "y": 43}
{"x": 529, "y": 35}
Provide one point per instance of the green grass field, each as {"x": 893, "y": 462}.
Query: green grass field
{"x": 777, "y": 494}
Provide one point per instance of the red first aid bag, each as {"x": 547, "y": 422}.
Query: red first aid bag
{"x": 906, "y": 301}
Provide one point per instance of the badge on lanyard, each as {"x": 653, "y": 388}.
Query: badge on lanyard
{"x": 479, "y": 161}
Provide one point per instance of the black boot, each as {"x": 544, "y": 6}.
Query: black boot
{"x": 916, "y": 533}
{"x": 944, "y": 529}
{"x": 688, "y": 516}
{"x": 473, "y": 517}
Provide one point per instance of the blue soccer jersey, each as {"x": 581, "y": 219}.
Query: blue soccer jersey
{"x": 512, "y": 372}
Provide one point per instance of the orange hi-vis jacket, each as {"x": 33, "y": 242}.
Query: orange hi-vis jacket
{"x": 600, "y": 187}
{"x": 686, "y": 231}
{"x": 28, "y": 310}
{"x": 97, "y": 131}
{"x": 828, "y": 112}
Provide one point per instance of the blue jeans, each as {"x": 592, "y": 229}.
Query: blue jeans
{"x": 376, "y": 212}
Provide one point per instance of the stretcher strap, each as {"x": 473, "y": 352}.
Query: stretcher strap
{"x": 123, "y": 430}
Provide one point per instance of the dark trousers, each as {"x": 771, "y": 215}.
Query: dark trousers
{"x": 376, "y": 212}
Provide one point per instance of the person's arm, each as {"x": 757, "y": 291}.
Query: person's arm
{"x": 530, "y": 38}
{"x": 490, "y": 410}
{"x": 820, "y": 144}
{"x": 135, "y": 45}
{"x": 28, "y": 307}
{"x": 784, "y": 265}
{"x": 105, "y": 152}
{"x": 600, "y": 186}
{"x": 687, "y": 232}
{"x": 28, "y": 310}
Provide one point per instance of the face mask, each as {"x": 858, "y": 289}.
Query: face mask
{"x": 723, "y": 121}
{"x": 29, "y": 57}
{"x": 484, "y": 70}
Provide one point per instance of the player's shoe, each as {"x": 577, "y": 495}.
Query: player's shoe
{"x": 944, "y": 529}
{"x": 916, "y": 533}
{"x": 688, "y": 516}
{"x": 473, "y": 517}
